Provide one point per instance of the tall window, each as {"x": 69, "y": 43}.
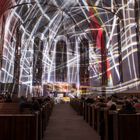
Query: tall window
{"x": 84, "y": 62}
{"x": 61, "y": 62}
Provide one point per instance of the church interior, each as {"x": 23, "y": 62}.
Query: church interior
{"x": 69, "y": 66}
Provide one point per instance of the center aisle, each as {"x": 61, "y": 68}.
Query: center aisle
{"x": 65, "y": 124}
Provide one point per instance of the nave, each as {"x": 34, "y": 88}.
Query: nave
{"x": 86, "y": 50}
{"x": 66, "y": 124}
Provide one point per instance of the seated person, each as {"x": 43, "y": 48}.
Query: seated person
{"x": 113, "y": 107}
{"x": 128, "y": 108}
{"x": 8, "y": 97}
{"x": 90, "y": 100}
{"x": 110, "y": 102}
{"x": 101, "y": 102}
{"x": 1, "y": 99}
{"x": 35, "y": 104}
{"x": 24, "y": 104}
{"x": 137, "y": 105}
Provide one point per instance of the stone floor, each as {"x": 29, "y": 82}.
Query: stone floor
{"x": 65, "y": 124}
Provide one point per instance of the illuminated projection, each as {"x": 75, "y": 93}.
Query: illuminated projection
{"x": 87, "y": 43}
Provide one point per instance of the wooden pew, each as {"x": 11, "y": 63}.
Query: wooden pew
{"x": 86, "y": 111}
{"x": 102, "y": 122}
{"x": 101, "y": 128}
{"x": 12, "y": 112}
{"x": 128, "y": 127}
{"x": 109, "y": 126}
{"x": 12, "y": 109}
{"x": 90, "y": 114}
{"x": 77, "y": 105}
{"x": 95, "y": 116}
{"x": 121, "y": 126}
{"x": 19, "y": 126}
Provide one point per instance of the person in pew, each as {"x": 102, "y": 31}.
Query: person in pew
{"x": 111, "y": 104}
{"x": 8, "y": 97}
{"x": 137, "y": 105}
{"x": 40, "y": 101}
{"x": 24, "y": 104}
{"x": 101, "y": 102}
{"x": 1, "y": 99}
{"x": 127, "y": 108}
{"x": 113, "y": 107}
{"x": 35, "y": 105}
{"x": 90, "y": 100}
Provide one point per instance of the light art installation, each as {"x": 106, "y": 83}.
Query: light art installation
{"x": 31, "y": 30}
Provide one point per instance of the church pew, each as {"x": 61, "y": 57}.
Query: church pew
{"x": 12, "y": 108}
{"x": 46, "y": 112}
{"x": 121, "y": 126}
{"x": 96, "y": 117}
{"x": 86, "y": 112}
{"x": 102, "y": 122}
{"x": 90, "y": 114}
{"x": 128, "y": 126}
{"x": 109, "y": 117}
{"x": 100, "y": 117}
{"x": 77, "y": 105}
{"x": 43, "y": 115}
{"x": 93, "y": 115}
{"x": 113, "y": 126}
{"x": 19, "y": 126}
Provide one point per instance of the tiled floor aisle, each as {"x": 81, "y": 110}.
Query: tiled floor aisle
{"x": 65, "y": 124}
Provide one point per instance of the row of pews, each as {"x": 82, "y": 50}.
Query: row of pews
{"x": 25, "y": 125}
{"x": 110, "y": 125}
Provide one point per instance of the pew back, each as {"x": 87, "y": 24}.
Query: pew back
{"x": 19, "y": 126}
{"x": 128, "y": 126}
